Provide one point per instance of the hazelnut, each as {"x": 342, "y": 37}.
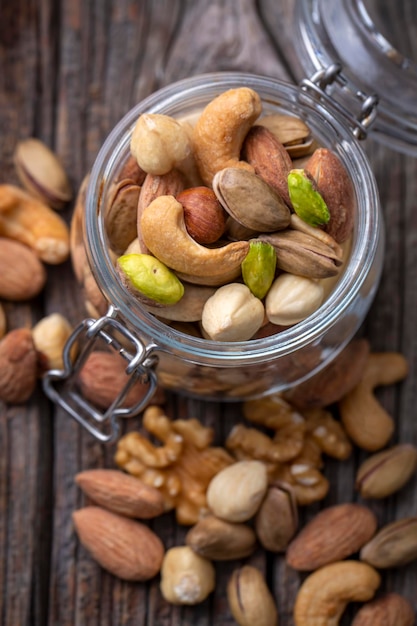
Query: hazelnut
{"x": 186, "y": 577}
{"x": 204, "y": 216}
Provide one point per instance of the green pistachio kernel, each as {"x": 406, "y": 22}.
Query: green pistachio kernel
{"x": 306, "y": 201}
{"x": 150, "y": 277}
{"x": 258, "y": 268}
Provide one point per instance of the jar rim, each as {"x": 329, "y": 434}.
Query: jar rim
{"x": 369, "y": 227}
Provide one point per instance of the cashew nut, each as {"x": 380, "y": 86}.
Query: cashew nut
{"x": 366, "y": 421}
{"x": 323, "y": 596}
{"x": 165, "y": 234}
{"x": 221, "y": 129}
{"x": 31, "y": 222}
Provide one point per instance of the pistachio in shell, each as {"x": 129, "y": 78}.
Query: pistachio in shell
{"x": 258, "y": 268}
{"x": 291, "y": 131}
{"x": 41, "y": 173}
{"x": 250, "y": 200}
{"x": 307, "y": 202}
{"x": 150, "y": 279}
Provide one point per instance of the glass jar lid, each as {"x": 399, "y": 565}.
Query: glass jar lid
{"x": 374, "y": 62}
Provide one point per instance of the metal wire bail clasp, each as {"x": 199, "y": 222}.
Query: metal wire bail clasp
{"x": 332, "y": 75}
{"x": 60, "y": 385}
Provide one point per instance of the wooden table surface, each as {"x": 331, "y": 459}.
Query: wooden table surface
{"x": 69, "y": 70}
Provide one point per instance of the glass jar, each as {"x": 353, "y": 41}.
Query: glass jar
{"x": 224, "y": 371}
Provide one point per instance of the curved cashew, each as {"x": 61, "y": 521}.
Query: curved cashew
{"x": 160, "y": 143}
{"x": 31, "y": 222}
{"x": 323, "y": 596}
{"x": 165, "y": 234}
{"x": 366, "y": 421}
{"x": 221, "y": 129}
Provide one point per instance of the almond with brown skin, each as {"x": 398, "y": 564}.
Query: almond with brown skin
{"x": 389, "y": 610}
{"x": 269, "y": 158}
{"x": 22, "y": 274}
{"x": 124, "y": 547}
{"x": 18, "y": 366}
{"x": 336, "y": 189}
{"x": 332, "y": 535}
{"x": 121, "y": 493}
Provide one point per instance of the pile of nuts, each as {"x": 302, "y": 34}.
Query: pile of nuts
{"x": 239, "y": 498}
{"x": 226, "y": 248}
{"x": 32, "y": 236}
{"x": 234, "y": 223}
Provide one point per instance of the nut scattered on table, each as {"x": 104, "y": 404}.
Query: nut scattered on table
{"x": 324, "y": 594}
{"x": 42, "y": 173}
{"x": 236, "y": 492}
{"x": 124, "y": 547}
{"x": 249, "y": 598}
{"x": 186, "y": 577}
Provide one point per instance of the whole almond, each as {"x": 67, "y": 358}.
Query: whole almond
{"x": 124, "y": 547}
{"x": 389, "y": 610}
{"x": 394, "y": 545}
{"x": 335, "y": 186}
{"x": 384, "y": 473}
{"x": 269, "y": 158}
{"x": 220, "y": 540}
{"x": 18, "y": 366}
{"x": 332, "y": 535}
{"x": 22, "y": 274}
{"x": 121, "y": 493}
{"x": 103, "y": 377}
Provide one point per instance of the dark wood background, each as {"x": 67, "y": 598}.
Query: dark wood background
{"x": 69, "y": 70}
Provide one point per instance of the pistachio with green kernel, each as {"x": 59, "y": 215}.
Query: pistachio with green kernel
{"x": 258, "y": 268}
{"x": 149, "y": 279}
{"x": 306, "y": 200}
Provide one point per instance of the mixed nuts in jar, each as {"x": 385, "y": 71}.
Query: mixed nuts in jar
{"x": 240, "y": 223}
{"x": 233, "y": 226}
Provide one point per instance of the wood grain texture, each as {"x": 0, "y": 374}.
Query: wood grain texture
{"x": 69, "y": 71}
